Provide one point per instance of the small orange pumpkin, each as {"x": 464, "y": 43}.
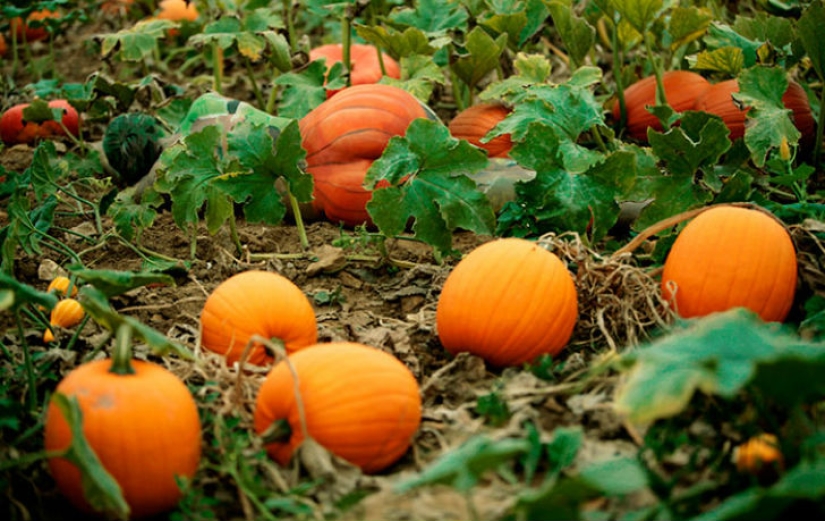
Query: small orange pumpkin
{"x": 508, "y": 301}
{"x": 346, "y": 132}
{"x": 682, "y": 88}
{"x": 364, "y": 65}
{"x": 15, "y": 129}
{"x": 260, "y": 303}
{"x": 360, "y": 403}
{"x": 142, "y": 423}
{"x": 475, "y": 122}
{"x": 22, "y": 29}
{"x": 729, "y": 257}
{"x": 718, "y": 99}
{"x": 60, "y": 285}
{"x": 758, "y": 454}
{"x": 66, "y": 313}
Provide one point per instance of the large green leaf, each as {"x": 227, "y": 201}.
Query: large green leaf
{"x": 137, "y": 42}
{"x": 432, "y": 16}
{"x": 720, "y": 355}
{"x": 578, "y": 35}
{"x": 427, "y": 173}
{"x": 640, "y": 13}
{"x": 808, "y": 27}
{"x": 482, "y": 56}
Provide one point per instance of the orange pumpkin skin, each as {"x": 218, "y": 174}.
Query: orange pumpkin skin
{"x": 729, "y": 257}
{"x": 32, "y": 34}
{"x": 14, "y": 129}
{"x": 66, "y": 313}
{"x": 143, "y": 427}
{"x": 257, "y": 303}
{"x": 3, "y": 46}
{"x": 348, "y": 131}
{"x": 473, "y": 123}
{"x": 508, "y": 301}
{"x": 682, "y": 88}
{"x": 719, "y": 100}
{"x": 364, "y": 65}
{"x": 361, "y": 404}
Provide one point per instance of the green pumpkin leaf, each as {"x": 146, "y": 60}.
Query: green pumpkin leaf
{"x": 531, "y": 69}
{"x": 640, "y": 14}
{"x": 117, "y": 282}
{"x": 432, "y": 16}
{"x": 307, "y": 89}
{"x": 420, "y": 74}
{"x": 728, "y": 60}
{"x": 697, "y": 143}
{"x": 399, "y": 44}
{"x": 130, "y": 217}
{"x": 100, "y": 489}
{"x": 483, "y": 53}
{"x": 15, "y": 294}
{"x": 463, "y": 467}
{"x": 427, "y": 171}
{"x": 719, "y": 355}
{"x": 578, "y": 35}
{"x": 720, "y": 36}
{"x": 688, "y": 24}
{"x": 137, "y": 42}
{"x": 808, "y": 27}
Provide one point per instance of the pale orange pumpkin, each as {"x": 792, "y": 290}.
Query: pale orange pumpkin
{"x": 475, "y": 122}
{"x": 257, "y": 303}
{"x": 718, "y": 99}
{"x": 729, "y": 257}
{"x": 60, "y": 285}
{"x": 682, "y": 89}
{"x": 360, "y": 403}
{"x": 508, "y": 301}
{"x": 364, "y": 65}
{"x": 142, "y": 423}
{"x": 344, "y": 135}
{"x": 66, "y": 313}
{"x": 759, "y": 454}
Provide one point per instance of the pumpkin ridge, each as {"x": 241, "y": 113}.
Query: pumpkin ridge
{"x": 347, "y": 153}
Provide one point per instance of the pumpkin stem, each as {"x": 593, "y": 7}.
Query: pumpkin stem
{"x": 279, "y": 432}
{"x": 122, "y": 357}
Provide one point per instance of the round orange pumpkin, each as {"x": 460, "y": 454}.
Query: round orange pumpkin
{"x": 729, "y": 257}
{"x": 718, "y": 99}
{"x": 347, "y": 132}
{"x": 508, "y": 301}
{"x": 142, "y": 423}
{"x": 23, "y": 30}
{"x": 682, "y": 88}
{"x": 475, "y": 122}
{"x": 257, "y": 303}
{"x": 67, "y": 313}
{"x": 360, "y": 403}
{"x": 364, "y": 65}
{"x": 14, "y": 128}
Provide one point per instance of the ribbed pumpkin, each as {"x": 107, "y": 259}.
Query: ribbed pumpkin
{"x": 729, "y": 257}
{"x": 508, "y": 301}
{"x": 473, "y": 123}
{"x": 364, "y": 65}
{"x": 23, "y": 30}
{"x": 142, "y": 423}
{"x": 682, "y": 88}
{"x": 257, "y": 302}
{"x": 346, "y": 133}
{"x": 719, "y": 100}
{"x": 360, "y": 403}
{"x": 66, "y": 313}
{"x": 60, "y": 285}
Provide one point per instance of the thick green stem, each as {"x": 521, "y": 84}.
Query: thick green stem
{"x": 273, "y": 95}
{"x": 31, "y": 397}
{"x": 290, "y": 26}
{"x": 259, "y": 97}
{"x": 279, "y": 432}
{"x": 217, "y": 65}
{"x": 233, "y": 232}
{"x": 299, "y": 219}
{"x": 23, "y": 460}
{"x": 122, "y": 356}
{"x": 661, "y": 98}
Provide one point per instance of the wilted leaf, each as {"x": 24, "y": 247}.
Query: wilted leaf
{"x": 728, "y": 60}
{"x": 688, "y": 24}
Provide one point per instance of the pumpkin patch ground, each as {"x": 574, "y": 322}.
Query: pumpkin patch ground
{"x": 624, "y": 410}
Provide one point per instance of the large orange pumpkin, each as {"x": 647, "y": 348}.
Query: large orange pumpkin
{"x": 508, "y": 301}
{"x": 475, "y": 122}
{"x": 729, "y": 257}
{"x": 360, "y": 403}
{"x": 682, "y": 88}
{"x": 142, "y": 423}
{"x": 364, "y": 65}
{"x": 344, "y": 135}
{"x": 257, "y": 303}
{"x": 718, "y": 99}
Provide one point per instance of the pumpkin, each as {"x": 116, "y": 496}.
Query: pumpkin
{"x": 142, "y": 423}
{"x": 14, "y": 128}
{"x": 66, "y": 313}
{"x": 60, "y": 285}
{"x": 364, "y": 65}
{"x": 730, "y": 257}
{"x": 682, "y": 88}
{"x": 473, "y": 123}
{"x": 177, "y": 11}
{"x": 719, "y": 100}
{"x": 24, "y": 32}
{"x": 360, "y": 403}
{"x": 257, "y": 303}
{"x": 347, "y": 132}
{"x": 759, "y": 454}
{"x": 3, "y": 47}
{"x": 508, "y": 301}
